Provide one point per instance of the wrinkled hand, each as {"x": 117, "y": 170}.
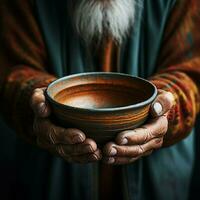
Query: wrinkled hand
{"x": 71, "y": 144}
{"x": 133, "y": 144}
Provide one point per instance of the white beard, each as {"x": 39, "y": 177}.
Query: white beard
{"x": 99, "y": 19}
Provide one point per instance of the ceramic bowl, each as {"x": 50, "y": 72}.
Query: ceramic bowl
{"x": 101, "y": 104}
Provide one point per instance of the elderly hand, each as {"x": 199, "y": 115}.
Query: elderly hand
{"x": 133, "y": 144}
{"x": 71, "y": 144}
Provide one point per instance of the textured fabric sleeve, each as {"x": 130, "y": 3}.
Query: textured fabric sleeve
{"x": 179, "y": 68}
{"x": 23, "y": 64}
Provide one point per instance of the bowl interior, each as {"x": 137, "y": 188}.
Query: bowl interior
{"x": 100, "y": 90}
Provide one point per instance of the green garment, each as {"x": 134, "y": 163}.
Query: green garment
{"x": 166, "y": 174}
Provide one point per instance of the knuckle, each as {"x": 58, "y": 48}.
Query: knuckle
{"x": 52, "y": 134}
{"x": 36, "y": 94}
{"x": 139, "y": 150}
{"x": 149, "y": 134}
{"x": 146, "y": 138}
{"x": 94, "y": 157}
{"x": 89, "y": 141}
{"x": 167, "y": 100}
{"x": 74, "y": 131}
{"x": 69, "y": 135}
{"x": 88, "y": 148}
{"x": 158, "y": 143}
{"x": 124, "y": 151}
{"x": 124, "y": 133}
{"x": 161, "y": 126}
{"x": 37, "y": 90}
{"x": 163, "y": 119}
{"x": 36, "y": 99}
{"x": 74, "y": 135}
{"x": 98, "y": 154}
{"x": 160, "y": 131}
{"x": 91, "y": 144}
{"x": 140, "y": 135}
{"x": 39, "y": 94}
{"x": 165, "y": 129}
{"x": 170, "y": 97}
{"x": 61, "y": 151}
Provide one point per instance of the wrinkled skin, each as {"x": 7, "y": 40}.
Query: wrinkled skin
{"x": 72, "y": 145}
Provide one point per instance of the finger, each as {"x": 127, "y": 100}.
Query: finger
{"x": 148, "y": 153}
{"x": 43, "y": 144}
{"x": 53, "y": 134}
{"x": 49, "y": 147}
{"x": 112, "y": 149}
{"x": 93, "y": 157}
{"x": 155, "y": 128}
{"x": 88, "y": 146}
{"x": 38, "y": 103}
{"x": 133, "y": 150}
{"x": 162, "y": 104}
{"x": 119, "y": 160}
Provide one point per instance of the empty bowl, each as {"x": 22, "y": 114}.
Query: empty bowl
{"x": 101, "y": 104}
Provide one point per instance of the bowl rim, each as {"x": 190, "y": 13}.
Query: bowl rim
{"x": 137, "y": 105}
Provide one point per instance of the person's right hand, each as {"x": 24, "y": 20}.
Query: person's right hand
{"x": 71, "y": 144}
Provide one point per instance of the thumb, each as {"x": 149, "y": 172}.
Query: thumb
{"x": 162, "y": 104}
{"x": 39, "y": 104}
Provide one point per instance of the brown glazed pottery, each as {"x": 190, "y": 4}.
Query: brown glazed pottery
{"x": 100, "y": 104}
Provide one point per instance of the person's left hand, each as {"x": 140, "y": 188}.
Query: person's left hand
{"x": 133, "y": 144}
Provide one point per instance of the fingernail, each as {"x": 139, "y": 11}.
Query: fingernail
{"x": 157, "y": 108}
{"x": 124, "y": 141}
{"x": 110, "y": 160}
{"x": 113, "y": 152}
{"x": 77, "y": 139}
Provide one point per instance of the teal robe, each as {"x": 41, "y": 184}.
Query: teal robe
{"x": 166, "y": 174}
